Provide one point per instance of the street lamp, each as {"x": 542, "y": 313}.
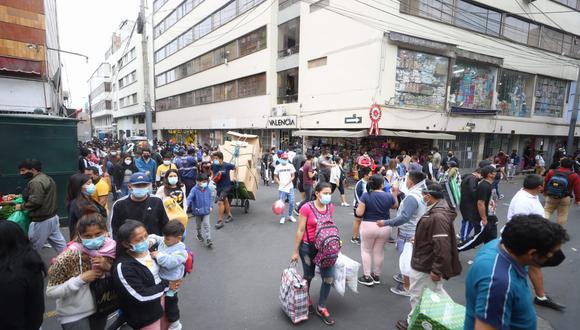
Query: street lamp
{"x": 35, "y": 46}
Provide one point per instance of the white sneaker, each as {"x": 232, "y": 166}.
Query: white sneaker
{"x": 175, "y": 326}
{"x": 345, "y": 204}
{"x": 283, "y": 220}
{"x": 292, "y": 219}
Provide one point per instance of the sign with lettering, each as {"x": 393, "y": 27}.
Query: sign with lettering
{"x": 282, "y": 122}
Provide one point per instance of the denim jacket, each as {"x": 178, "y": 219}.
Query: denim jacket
{"x": 200, "y": 201}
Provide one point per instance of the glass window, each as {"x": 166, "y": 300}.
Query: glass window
{"x": 219, "y": 93}
{"x": 421, "y": 80}
{"x": 551, "y": 39}
{"x": 288, "y": 86}
{"x": 203, "y": 96}
{"x": 188, "y": 6}
{"x": 171, "y": 19}
{"x": 516, "y": 29}
{"x": 231, "y": 90}
{"x": 515, "y": 92}
{"x": 134, "y": 98}
{"x": 161, "y": 80}
{"x": 534, "y": 35}
{"x": 244, "y": 5}
{"x": 472, "y": 85}
{"x": 188, "y": 38}
{"x": 172, "y": 47}
{"x": 186, "y": 100}
{"x": 476, "y": 18}
{"x": 188, "y": 68}
{"x": 160, "y": 54}
{"x": 170, "y": 76}
{"x": 206, "y": 61}
{"x": 289, "y": 38}
{"x": 203, "y": 28}
{"x": 251, "y": 86}
{"x": 550, "y": 95}
{"x": 225, "y": 15}
{"x": 218, "y": 56}
{"x": 196, "y": 65}
{"x": 232, "y": 50}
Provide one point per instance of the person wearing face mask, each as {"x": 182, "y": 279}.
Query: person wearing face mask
{"x": 79, "y": 201}
{"x": 435, "y": 258}
{"x": 40, "y": 201}
{"x": 173, "y": 187}
{"x": 86, "y": 260}
{"x": 527, "y": 201}
{"x": 199, "y": 201}
{"x": 122, "y": 174}
{"x": 411, "y": 209}
{"x": 497, "y": 292}
{"x": 137, "y": 281}
{"x": 147, "y": 165}
{"x": 139, "y": 205}
{"x": 164, "y": 167}
{"x": 284, "y": 175}
{"x": 304, "y": 248}
{"x": 102, "y": 189}
{"x": 221, "y": 176}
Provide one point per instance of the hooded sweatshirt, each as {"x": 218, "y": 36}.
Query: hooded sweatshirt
{"x": 435, "y": 242}
{"x": 411, "y": 209}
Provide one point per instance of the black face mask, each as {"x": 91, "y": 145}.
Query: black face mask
{"x": 450, "y": 155}
{"x": 27, "y": 175}
{"x": 554, "y": 260}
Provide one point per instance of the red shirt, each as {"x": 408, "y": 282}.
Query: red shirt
{"x": 573, "y": 181}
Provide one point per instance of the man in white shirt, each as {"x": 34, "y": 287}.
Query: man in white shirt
{"x": 284, "y": 175}
{"x": 540, "y": 163}
{"x": 527, "y": 201}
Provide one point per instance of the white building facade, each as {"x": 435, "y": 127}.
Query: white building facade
{"x": 475, "y": 77}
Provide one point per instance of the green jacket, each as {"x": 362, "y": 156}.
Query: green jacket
{"x": 40, "y": 198}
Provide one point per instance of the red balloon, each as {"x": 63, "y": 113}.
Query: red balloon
{"x": 278, "y": 207}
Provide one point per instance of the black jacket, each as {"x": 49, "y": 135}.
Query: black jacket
{"x": 81, "y": 206}
{"x": 150, "y": 212}
{"x": 468, "y": 203}
{"x": 40, "y": 198}
{"x": 140, "y": 297}
{"x": 119, "y": 173}
{"x": 22, "y": 303}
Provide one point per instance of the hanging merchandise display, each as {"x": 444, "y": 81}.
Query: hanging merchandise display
{"x": 550, "y": 95}
{"x": 472, "y": 85}
{"x": 515, "y": 90}
{"x": 421, "y": 80}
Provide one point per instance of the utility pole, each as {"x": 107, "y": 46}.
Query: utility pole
{"x": 141, "y": 29}
{"x": 570, "y": 149}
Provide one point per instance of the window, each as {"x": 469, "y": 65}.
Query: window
{"x": 224, "y": 15}
{"x": 319, "y": 4}
{"x": 244, "y": 5}
{"x": 521, "y": 31}
{"x": 186, "y": 100}
{"x": 134, "y": 98}
{"x": 206, "y": 61}
{"x": 250, "y": 86}
{"x": 180, "y": 11}
{"x": 141, "y": 119}
{"x": 219, "y": 93}
{"x": 232, "y": 50}
{"x": 515, "y": 92}
{"x": 218, "y": 56}
{"x": 421, "y": 80}
{"x": 133, "y": 54}
{"x": 551, "y": 40}
{"x": 231, "y": 89}
{"x": 203, "y": 96}
{"x": 289, "y": 38}
{"x": 203, "y": 28}
{"x": 107, "y": 87}
{"x": 317, "y": 62}
{"x": 252, "y": 42}
{"x": 160, "y": 80}
{"x": 170, "y": 76}
{"x": 472, "y": 85}
{"x": 550, "y": 95}
{"x": 570, "y": 3}
{"x": 476, "y": 18}
{"x": 288, "y": 86}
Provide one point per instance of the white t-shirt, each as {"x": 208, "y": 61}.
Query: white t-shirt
{"x": 540, "y": 161}
{"x": 334, "y": 174}
{"x": 284, "y": 173}
{"x": 152, "y": 265}
{"x": 524, "y": 203}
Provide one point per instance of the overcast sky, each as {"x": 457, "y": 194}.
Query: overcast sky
{"x": 85, "y": 27}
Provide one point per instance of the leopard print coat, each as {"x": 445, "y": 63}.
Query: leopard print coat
{"x": 69, "y": 264}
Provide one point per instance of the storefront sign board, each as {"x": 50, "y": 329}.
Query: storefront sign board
{"x": 282, "y": 122}
{"x": 467, "y": 111}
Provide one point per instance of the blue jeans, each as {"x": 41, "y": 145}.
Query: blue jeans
{"x": 307, "y": 254}
{"x": 290, "y": 196}
{"x": 495, "y": 185}
{"x": 401, "y": 240}
{"x": 466, "y": 228}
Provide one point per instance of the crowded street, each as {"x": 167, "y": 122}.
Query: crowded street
{"x": 235, "y": 285}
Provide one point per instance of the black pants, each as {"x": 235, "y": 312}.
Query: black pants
{"x": 481, "y": 234}
{"x": 172, "y": 308}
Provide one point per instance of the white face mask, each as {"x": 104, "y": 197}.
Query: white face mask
{"x": 166, "y": 162}
{"x": 128, "y": 162}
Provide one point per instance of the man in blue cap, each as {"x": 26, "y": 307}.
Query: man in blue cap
{"x": 139, "y": 205}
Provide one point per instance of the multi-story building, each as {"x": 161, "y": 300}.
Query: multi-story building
{"x": 475, "y": 77}
{"x": 117, "y": 86}
{"x": 30, "y": 75}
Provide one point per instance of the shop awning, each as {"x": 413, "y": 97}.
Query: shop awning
{"x": 331, "y": 133}
{"x": 20, "y": 66}
{"x": 418, "y": 135}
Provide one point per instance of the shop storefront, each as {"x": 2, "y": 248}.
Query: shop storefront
{"x": 550, "y": 96}
{"x": 472, "y": 85}
{"x": 515, "y": 93}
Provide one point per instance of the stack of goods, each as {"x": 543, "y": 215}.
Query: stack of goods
{"x": 244, "y": 152}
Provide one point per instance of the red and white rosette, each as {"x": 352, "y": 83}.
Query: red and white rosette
{"x": 375, "y": 114}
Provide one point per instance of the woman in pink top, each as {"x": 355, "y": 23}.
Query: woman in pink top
{"x": 304, "y": 247}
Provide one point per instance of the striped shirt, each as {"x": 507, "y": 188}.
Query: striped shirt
{"x": 497, "y": 291}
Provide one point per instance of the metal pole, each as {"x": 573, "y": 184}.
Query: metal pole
{"x": 570, "y": 149}
{"x": 147, "y": 96}
{"x": 91, "y": 114}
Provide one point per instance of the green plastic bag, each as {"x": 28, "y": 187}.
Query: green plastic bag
{"x": 21, "y": 218}
{"x": 437, "y": 312}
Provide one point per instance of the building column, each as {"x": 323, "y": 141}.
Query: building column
{"x": 515, "y": 143}
{"x": 480, "y": 147}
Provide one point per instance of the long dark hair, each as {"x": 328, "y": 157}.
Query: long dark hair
{"x": 124, "y": 235}
{"x": 375, "y": 183}
{"x": 75, "y": 187}
{"x": 166, "y": 187}
{"x": 122, "y": 160}
{"x": 16, "y": 249}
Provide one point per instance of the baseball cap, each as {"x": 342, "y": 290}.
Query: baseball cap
{"x": 484, "y": 163}
{"x": 139, "y": 177}
{"x": 284, "y": 156}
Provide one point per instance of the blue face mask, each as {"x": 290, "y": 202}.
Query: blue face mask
{"x": 94, "y": 243}
{"x": 325, "y": 199}
{"x": 140, "y": 247}
{"x": 172, "y": 181}
{"x": 216, "y": 162}
{"x": 283, "y": 161}
{"x": 90, "y": 189}
{"x": 203, "y": 185}
{"x": 140, "y": 192}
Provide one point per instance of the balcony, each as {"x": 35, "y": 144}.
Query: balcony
{"x": 289, "y": 51}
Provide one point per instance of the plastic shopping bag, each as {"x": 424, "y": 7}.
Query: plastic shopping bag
{"x": 436, "y": 311}
{"x": 339, "y": 275}
{"x": 405, "y": 259}
{"x": 351, "y": 268}
{"x": 20, "y": 218}
{"x": 294, "y": 294}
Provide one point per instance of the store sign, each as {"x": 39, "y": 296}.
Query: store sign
{"x": 375, "y": 114}
{"x": 467, "y": 111}
{"x": 419, "y": 42}
{"x": 353, "y": 120}
{"x": 282, "y": 122}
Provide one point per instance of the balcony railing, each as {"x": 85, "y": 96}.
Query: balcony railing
{"x": 286, "y": 3}
{"x": 289, "y": 51}
{"x": 288, "y": 98}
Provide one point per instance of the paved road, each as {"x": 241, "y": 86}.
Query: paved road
{"x": 235, "y": 285}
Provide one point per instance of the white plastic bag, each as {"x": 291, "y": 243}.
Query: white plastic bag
{"x": 351, "y": 268}
{"x": 405, "y": 259}
{"x": 339, "y": 275}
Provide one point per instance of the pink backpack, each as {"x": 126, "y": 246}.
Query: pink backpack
{"x": 326, "y": 240}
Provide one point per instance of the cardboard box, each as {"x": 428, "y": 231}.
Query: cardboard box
{"x": 243, "y": 151}
{"x": 437, "y": 312}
